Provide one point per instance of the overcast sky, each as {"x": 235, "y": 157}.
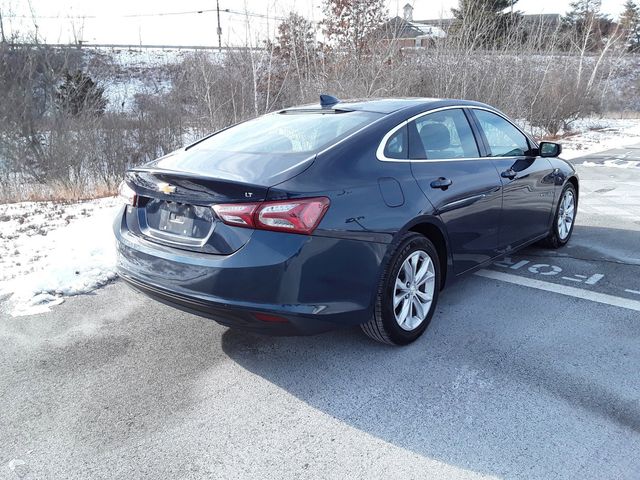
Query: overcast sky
{"x": 118, "y": 21}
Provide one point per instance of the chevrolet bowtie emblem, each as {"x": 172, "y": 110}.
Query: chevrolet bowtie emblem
{"x": 166, "y": 188}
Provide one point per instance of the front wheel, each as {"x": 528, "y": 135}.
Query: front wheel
{"x": 407, "y": 294}
{"x": 564, "y": 219}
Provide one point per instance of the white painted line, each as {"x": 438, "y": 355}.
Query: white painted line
{"x": 595, "y": 278}
{"x": 632, "y": 291}
{"x": 521, "y": 263}
{"x": 562, "y": 289}
{"x": 572, "y": 279}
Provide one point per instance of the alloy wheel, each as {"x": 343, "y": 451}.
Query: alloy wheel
{"x": 566, "y": 214}
{"x": 413, "y": 291}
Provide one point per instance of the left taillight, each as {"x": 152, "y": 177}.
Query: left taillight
{"x": 127, "y": 194}
{"x": 295, "y": 216}
{"x": 239, "y": 214}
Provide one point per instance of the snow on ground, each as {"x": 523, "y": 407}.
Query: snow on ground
{"x": 51, "y": 250}
{"x": 132, "y": 70}
{"x": 121, "y": 94}
{"x": 614, "y": 163}
{"x": 136, "y": 58}
{"x": 594, "y": 135}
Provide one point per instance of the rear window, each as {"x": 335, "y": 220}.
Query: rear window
{"x": 291, "y": 132}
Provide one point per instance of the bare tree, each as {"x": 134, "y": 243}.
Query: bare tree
{"x": 349, "y": 23}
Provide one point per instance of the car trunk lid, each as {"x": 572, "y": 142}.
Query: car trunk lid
{"x": 175, "y": 206}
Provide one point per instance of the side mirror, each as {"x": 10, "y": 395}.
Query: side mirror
{"x": 550, "y": 149}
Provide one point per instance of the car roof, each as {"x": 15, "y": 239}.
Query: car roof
{"x": 387, "y": 105}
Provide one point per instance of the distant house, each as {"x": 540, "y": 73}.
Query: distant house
{"x": 545, "y": 21}
{"x": 408, "y": 33}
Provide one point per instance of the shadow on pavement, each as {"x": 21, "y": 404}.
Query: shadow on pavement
{"x": 503, "y": 376}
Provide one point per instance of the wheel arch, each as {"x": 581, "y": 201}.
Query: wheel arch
{"x": 576, "y": 184}
{"x": 433, "y": 229}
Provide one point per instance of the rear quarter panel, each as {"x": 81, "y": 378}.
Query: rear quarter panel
{"x": 370, "y": 200}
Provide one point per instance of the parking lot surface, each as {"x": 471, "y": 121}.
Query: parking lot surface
{"x": 528, "y": 370}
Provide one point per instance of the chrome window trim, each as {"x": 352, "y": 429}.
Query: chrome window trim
{"x": 383, "y": 158}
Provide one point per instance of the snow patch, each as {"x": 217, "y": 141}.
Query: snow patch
{"x": 597, "y": 135}
{"x": 51, "y": 250}
{"x": 614, "y": 164}
{"x": 18, "y": 467}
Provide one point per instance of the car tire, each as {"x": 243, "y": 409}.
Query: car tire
{"x": 559, "y": 235}
{"x": 403, "y": 284}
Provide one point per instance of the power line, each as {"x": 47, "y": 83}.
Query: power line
{"x": 160, "y": 14}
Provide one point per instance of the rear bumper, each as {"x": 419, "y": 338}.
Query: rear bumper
{"x": 314, "y": 283}
{"x": 232, "y": 317}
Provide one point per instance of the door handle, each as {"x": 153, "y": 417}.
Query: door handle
{"x": 441, "y": 183}
{"x": 510, "y": 174}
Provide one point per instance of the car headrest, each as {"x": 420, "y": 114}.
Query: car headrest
{"x": 435, "y": 136}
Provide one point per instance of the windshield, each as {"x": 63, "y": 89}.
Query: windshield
{"x": 290, "y": 132}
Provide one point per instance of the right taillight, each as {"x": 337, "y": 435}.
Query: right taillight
{"x": 296, "y": 216}
{"x": 299, "y": 216}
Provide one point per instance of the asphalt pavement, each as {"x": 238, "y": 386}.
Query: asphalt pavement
{"x": 530, "y": 369}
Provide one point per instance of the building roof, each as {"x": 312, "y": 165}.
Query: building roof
{"x": 530, "y": 18}
{"x": 398, "y": 27}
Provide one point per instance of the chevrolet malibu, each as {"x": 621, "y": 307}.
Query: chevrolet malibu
{"x": 339, "y": 214}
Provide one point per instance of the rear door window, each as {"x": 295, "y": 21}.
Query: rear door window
{"x": 397, "y": 145}
{"x": 443, "y": 135}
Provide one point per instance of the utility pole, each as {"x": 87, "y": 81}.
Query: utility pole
{"x": 219, "y": 28}
{"x": 3, "y": 40}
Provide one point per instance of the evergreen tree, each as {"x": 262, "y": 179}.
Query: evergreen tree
{"x": 483, "y": 8}
{"x": 79, "y": 94}
{"x": 587, "y": 21}
{"x": 582, "y": 11}
{"x": 350, "y": 23}
{"x": 630, "y": 23}
{"x": 486, "y": 21}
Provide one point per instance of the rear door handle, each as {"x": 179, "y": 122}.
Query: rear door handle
{"x": 441, "y": 183}
{"x": 510, "y": 174}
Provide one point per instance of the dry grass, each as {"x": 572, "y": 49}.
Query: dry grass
{"x": 25, "y": 192}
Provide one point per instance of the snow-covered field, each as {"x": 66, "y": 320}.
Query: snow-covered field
{"x": 49, "y": 250}
{"x": 131, "y": 71}
{"x": 593, "y": 135}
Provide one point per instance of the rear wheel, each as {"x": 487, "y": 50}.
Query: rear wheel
{"x": 564, "y": 219}
{"x": 407, "y": 293}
